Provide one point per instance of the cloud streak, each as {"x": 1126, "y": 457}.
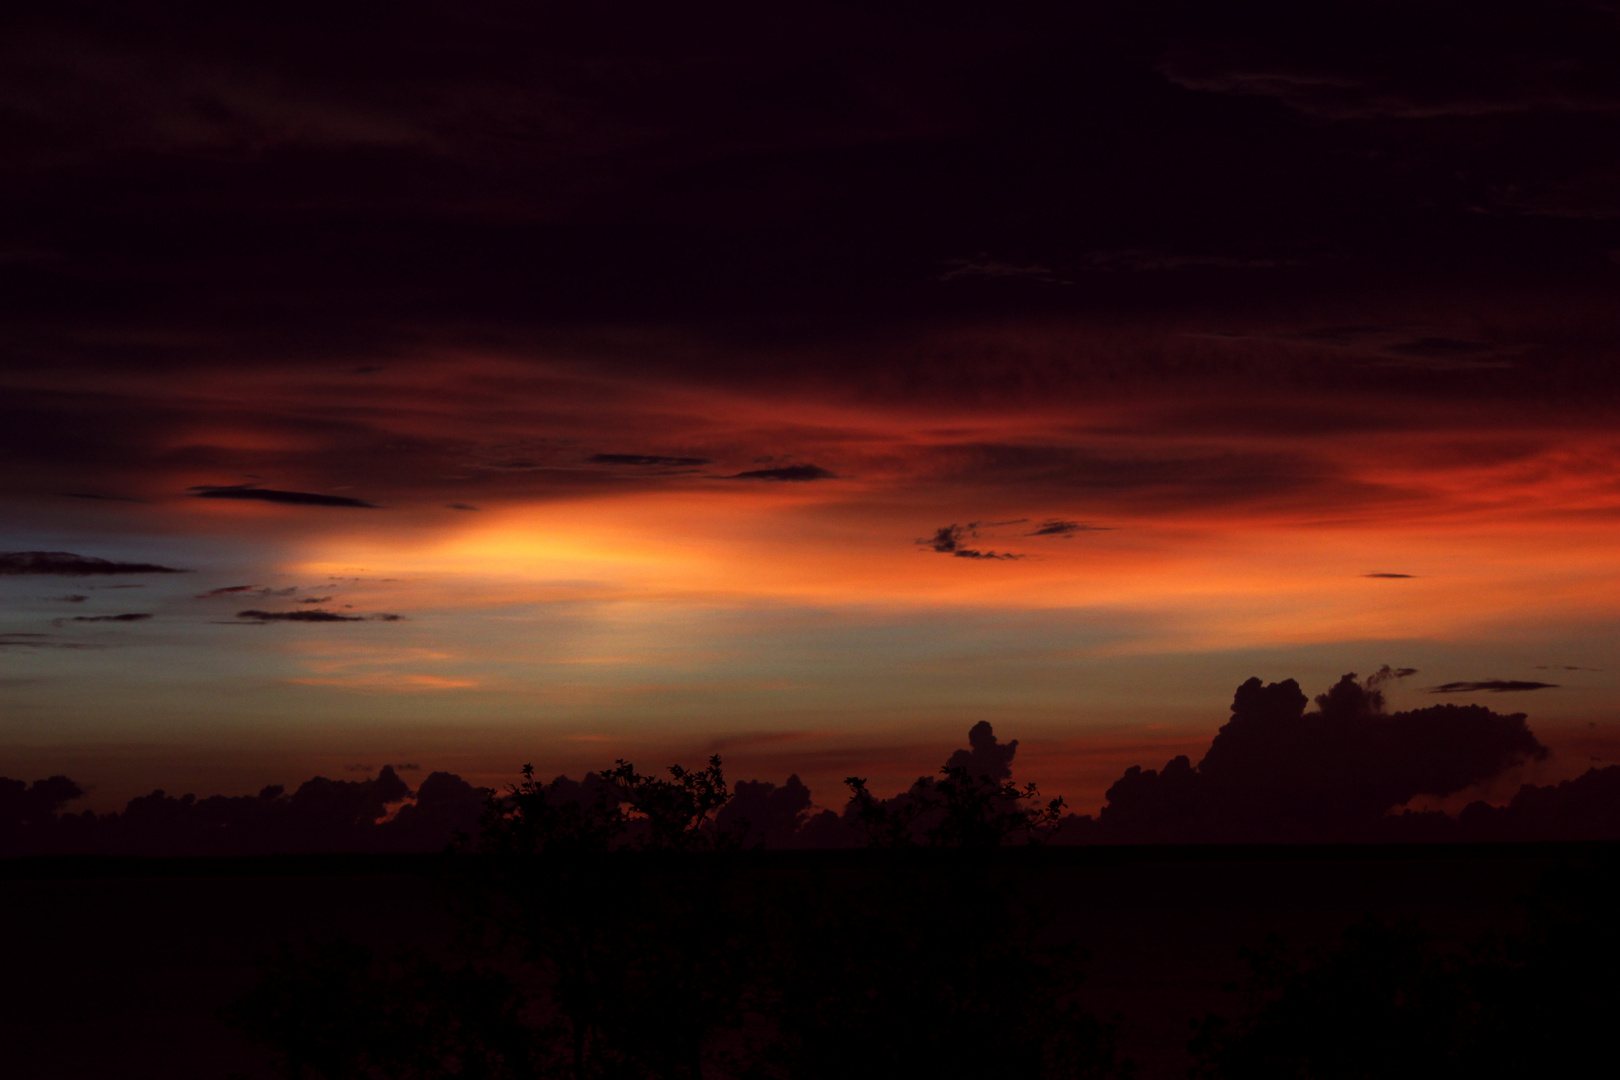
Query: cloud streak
{"x": 67, "y": 564}
{"x": 1056, "y": 527}
{"x": 316, "y": 615}
{"x": 1491, "y": 686}
{"x": 789, "y": 473}
{"x": 272, "y": 495}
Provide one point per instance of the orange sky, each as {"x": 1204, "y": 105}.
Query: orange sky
{"x": 576, "y": 607}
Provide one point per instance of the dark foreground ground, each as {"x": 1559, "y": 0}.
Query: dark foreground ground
{"x": 118, "y": 967}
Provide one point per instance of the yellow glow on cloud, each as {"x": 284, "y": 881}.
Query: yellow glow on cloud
{"x": 1211, "y": 584}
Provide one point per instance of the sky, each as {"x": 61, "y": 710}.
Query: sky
{"x": 802, "y": 383}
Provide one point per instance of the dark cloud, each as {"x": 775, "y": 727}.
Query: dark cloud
{"x": 1584, "y": 808}
{"x": 73, "y": 599}
{"x": 322, "y": 815}
{"x": 762, "y": 813}
{"x": 39, "y": 641}
{"x": 315, "y": 616}
{"x": 247, "y": 590}
{"x": 66, "y": 564}
{"x": 1278, "y": 772}
{"x": 786, "y": 472}
{"x": 290, "y": 498}
{"x": 1055, "y": 527}
{"x": 948, "y": 540}
{"x": 651, "y": 459}
{"x": 985, "y": 756}
{"x": 100, "y": 498}
{"x": 316, "y": 600}
{"x": 1384, "y": 574}
{"x": 130, "y": 616}
{"x": 459, "y": 506}
{"x": 1494, "y": 686}
{"x": 35, "y": 804}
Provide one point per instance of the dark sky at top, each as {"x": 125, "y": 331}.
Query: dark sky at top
{"x": 307, "y": 173}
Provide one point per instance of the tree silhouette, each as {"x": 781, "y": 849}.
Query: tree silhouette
{"x": 959, "y": 810}
{"x": 619, "y": 927}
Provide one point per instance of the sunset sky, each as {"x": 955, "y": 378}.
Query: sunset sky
{"x": 795, "y": 382}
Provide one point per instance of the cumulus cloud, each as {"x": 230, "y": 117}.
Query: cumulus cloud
{"x": 762, "y": 813}
{"x": 1494, "y": 686}
{"x": 67, "y": 564}
{"x": 1277, "y": 772}
{"x": 984, "y": 757}
{"x": 289, "y": 498}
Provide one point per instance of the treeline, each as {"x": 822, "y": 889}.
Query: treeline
{"x": 617, "y": 929}
{"x": 320, "y": 816}
{"x": 1283, "y": 769}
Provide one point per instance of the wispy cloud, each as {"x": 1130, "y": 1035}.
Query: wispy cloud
{"x": 1493, "y": 686}
{"x": 272, "y": 495}
{"x": 298, "y": 616}
{"x": 1056, "y": 527}
{"x": 67, "y": 564}
{"x": 949, "y": 540}
{"x": 797, "y": 473}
